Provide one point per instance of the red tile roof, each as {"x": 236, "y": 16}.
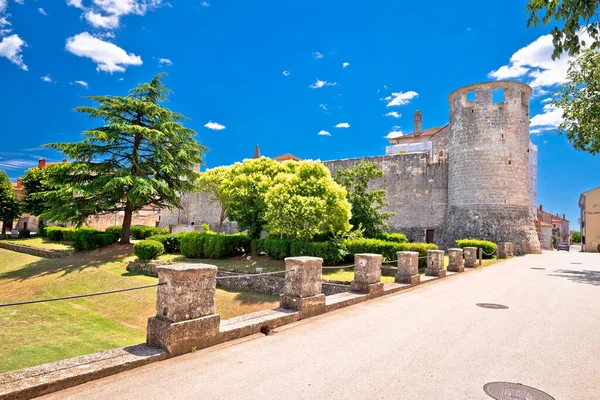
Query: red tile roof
{"x": 425, "y": 133}
{"x": 287, "y": 156}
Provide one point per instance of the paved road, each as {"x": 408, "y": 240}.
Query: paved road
{"x": 431, "y": 342}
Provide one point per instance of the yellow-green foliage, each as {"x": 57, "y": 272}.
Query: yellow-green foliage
{"x": 147, "y": 250}
{"x": 487, "y": 246}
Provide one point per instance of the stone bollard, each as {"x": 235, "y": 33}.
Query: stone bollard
{"x": 435, "y": 263}
{"x": 367, "y": 275}
{"x": 510, "y": 252}
{"x": 185, "y": 318}
{"x": 470, "y": 257}
{"x": 455, "y": 263}
{"x": 303, "y": 286}
{"x": 408, "y": 268}
{"x": 503, "y": 249}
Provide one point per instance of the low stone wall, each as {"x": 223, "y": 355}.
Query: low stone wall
{"x": 36, "y": 251}
{"x": 146, "y": 268}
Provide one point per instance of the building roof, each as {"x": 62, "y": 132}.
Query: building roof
{"x": 542, "y": 223}
{"x": 426, "y": 133}
{"x": 286, "y": 157}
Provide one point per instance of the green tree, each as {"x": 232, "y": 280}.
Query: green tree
{"x": 211, "y": 181}
{"x": 243, "y": 193}
{"x": 34, "y": 183}
{"x": 574, "y": 16}
{"x": 9, "y": 204}
{"x": 304, "y": 201}
{"x": 366, "y": 204}
{"x": 579, "y": 100}
{"x": 576, "y": 236}
{"x": 142, "y": 155}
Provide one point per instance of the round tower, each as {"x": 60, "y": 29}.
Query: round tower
{"x": 488, "y": 165}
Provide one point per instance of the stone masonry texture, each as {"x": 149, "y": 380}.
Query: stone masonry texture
{"x": 455, "y": 260}
{"x": 470, "y": 257}
{"x": 408, "y": 267}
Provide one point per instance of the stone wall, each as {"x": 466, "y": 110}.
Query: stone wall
{"x": 417, "y": 191}
{"x": 35, "y": 251}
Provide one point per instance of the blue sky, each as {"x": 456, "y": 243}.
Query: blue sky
{"x": 226, "y": 63}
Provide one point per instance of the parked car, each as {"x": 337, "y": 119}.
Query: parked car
{"x": 563, "y": 246}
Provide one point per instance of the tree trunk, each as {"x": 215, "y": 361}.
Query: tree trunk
{"x": 221, "y": 219}
{"x": 126, "y": 227}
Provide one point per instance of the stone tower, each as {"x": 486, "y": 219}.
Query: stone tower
{"x": 488, "y": 165}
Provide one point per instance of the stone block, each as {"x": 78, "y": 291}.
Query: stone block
{"x": 503, "y": 249}
{"x": 455, "y": 263}
{"x": 470, "y": 254}
{"x": 188, "y": 291}
{"x": 435, "y": 263}
{"x": 184, "y": 336}
{"x": 307, "y": 306}
{"x": 303, "y": 276}
{"x": 372, "y": 289}
{"x": 408, "y": 267}
{"x": 367, "y": 275}
{"x": 510, "y": 251}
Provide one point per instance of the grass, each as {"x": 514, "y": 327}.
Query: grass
{"x": 46, "y": 332}
{"x": 42, "y": 243}
{"x": 241, "y": 264}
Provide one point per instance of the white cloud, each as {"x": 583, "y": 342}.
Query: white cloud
{"x": 286, "y": 73}
{"x": 343, "y": 125}
{"x": 215, "y": 126}
{"x": 547, "y": 100}
{"x": 324, "y": 133}
{"x": 42, "y": 11}
{"x": 121, "y": 79}
{"x": 75, "y": 3}
{"x": 539, "y": 131}
{"x": 400, "y": 98}
{"x": 165, "y": 61}
{"x": 205, "y": 4}
{"x": 344, "y": 65}
{"x": 323, "y": 106}
{"x": 102, "y": 21}
{"x": 3, "y": 5}
{"x": 21, "y": 2}
{"x": 108, "y": 56}
{"x": 319, "y": 84}
{"x": 394, "y": 134}
{"x": 47, "y": 79}
{"x": 11, "y": 48}
{"x": 318, "y": 55}
{"x": 550, "y": 118}
{"x": 81, "y": 83}
{"x": 393, "y": 114}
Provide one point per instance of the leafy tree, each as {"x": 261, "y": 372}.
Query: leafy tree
{"x": 366, "y": 204}
{"x": 576, "y": 236}
{"x": 9, "y": 204}
{"x": 211, "y": 181}
{"x": 575, "y": 16}
{"x": 243, "y": 193}
{"x": 143, "y": 155}
{"x": 579, "y": 100}
{"x": 305, "y": 201}
{"x": 34, "y": 182}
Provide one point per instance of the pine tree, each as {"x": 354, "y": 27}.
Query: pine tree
{"x": 142, "y": 156}
{"x": 9, "y": 204}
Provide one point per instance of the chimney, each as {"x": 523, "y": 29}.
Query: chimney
{"x": 19, "y": 182}
{"x": 541, "y": 209}
{"x": 418, "y": 122}
{"x": 64, "y": 160}
{"x": 565, "y": 217}
{"x": 256, "y": 152}
{"x": 42, "y": 163}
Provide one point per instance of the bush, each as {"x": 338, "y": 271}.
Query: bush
{"x": 83, "y": 239}
{"x": 392, "y": 237}
{"x": 139, "y": 232}
{"x": 42, "y": 231}
{"x": 147, "y": 250}
{"x": 202, "y": 245}
{"x": 172, "y": 243}
{"x": 54, "y": 233}
{"x": 274, "y": 248}
{"x": 332, "y": 251}
{"x": 387, "y": 249}
{"x": 68, "y": 234}
{"x": 116, "y": 230}
{"x": 24, "y": 233}
{"x": 102, "y": 239}
{"x": 487, "y": 246}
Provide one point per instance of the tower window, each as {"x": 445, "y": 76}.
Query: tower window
{"x": 471, "y": 96}
{"x": 498, "y": 96}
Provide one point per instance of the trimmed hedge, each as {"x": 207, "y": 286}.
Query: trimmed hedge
{"x": 147, "y": 250}
{"x": 202, "y": 245}
{"x": 487, "y": 246}
{"x": 172, "y": 242}
{"x": 54, "y": 233}
{"x": 274, "y": 248}
{"x": 139, "y": 232}
{"x": 392, "y": 237}
{"x": 114, "y": 230}
{"x": 388, "y": 249}
{"x": 89, "y": 239}
{"x": 24, "y": 233}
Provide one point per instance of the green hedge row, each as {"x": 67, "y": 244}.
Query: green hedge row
{"x": 89, "y": 239}
{"x": 202, "y": 245}
{"x": 171, "y": 242}
{"x": 487, "y": 246}
{"x": 139, "y": 232}
{"x": 392, "y": 237}
{"x": 388, "y": 249}
{"x": 148, "y": 249}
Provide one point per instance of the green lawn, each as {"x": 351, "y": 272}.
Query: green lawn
{"x": 40, "y": 333}
{"x": 42, "y": 243}
{"x": 234, "y": 264}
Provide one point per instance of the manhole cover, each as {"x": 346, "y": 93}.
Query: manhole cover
{"x": 576, "y": 263}
{"x": 537, "y": 268}
{"x": 514, "y": 391}
{"x": 492, "y": 306}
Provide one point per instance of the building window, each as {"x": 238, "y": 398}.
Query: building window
{"x": 429, "y": 235}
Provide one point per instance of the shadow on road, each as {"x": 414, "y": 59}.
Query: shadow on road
{"x": 589, "y": 277}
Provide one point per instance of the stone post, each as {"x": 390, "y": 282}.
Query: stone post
{"x": 367, "y": 275}
{"x": 455, "y": 263}
{"x": 503, "y": 249}
{"x": 435, "y": 263}
{"x": 185, "y": 318}
{"x": 470, "y": 257}
{"x": 408, "y": 267}
{"x": 510, "y": 250}
{"x": 302, "y": 289}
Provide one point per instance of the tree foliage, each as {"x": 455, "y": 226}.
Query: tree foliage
{"x": 142, "y": 155}
{"x": 304, "y": 201}
{"x": 34, "y": 182}
{"x": 574, "y": 16}
{"x": 9, "y": 204}
{"x": 366, "y": 204}
{"x": 576, "y": 236}
{"x": 579, "y": 100}
{"x": 211, "y": 181}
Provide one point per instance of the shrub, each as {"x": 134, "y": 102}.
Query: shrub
{"x": 42, "y": 231}
{"x": 192, "y": 245}
{"x": 392, "y": 237}
{"x": 387, "y": 249}
{"x": 114, "y": 230}
{"x": 172, "y": 242}
{"x": 68, "y": 234}
{"x": 139, "y": 232}
{"x": 487, "y": 246}
{"x": 202, "y": 245}
{"x": 274, "y": 248}
{"x": 83, "y": 239}
{"x": 332, "y": 251}
{"x": 147, "y": 250}
{"x": 54, "y": 233}
{"x": 24, "y": 233}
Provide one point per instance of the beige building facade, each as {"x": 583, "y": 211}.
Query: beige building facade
{"x": 589, "y": 204}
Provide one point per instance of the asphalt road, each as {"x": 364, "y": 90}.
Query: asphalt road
{"x": 431, "y": 342}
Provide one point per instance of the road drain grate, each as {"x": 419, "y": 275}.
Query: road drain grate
{"x": 514, "y": 391}
{"x": 492, "y": 306}
{"x": 538, "y": 268}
